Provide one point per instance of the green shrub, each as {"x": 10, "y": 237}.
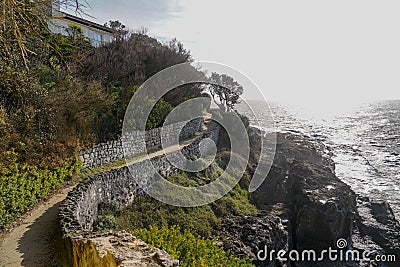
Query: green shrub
{"x": 189, "y": 249}
{"x": 160, "y": 224}
{"x": 204, "y": 221}
{"x": 22, "y": 185}
{"x": 105, "y": 223}
{"x": 148, "y": 211}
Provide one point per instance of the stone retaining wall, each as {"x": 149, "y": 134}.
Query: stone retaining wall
{"x": 113, "y": 150}
{"x": 79, "y": 210}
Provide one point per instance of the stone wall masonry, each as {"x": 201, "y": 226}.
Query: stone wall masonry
{"x": 78, "y": 211}
{"x": 113, "y": 150}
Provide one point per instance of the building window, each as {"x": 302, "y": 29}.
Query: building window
{"x": 98, "y": 39}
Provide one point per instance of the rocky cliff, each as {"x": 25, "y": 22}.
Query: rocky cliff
{"x": 315, "y": 210}
{"x": 302, "y": 206}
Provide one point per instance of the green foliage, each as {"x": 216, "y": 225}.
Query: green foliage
{"x": 104, "y": 223}
{"x": 225, "y": 91}
{"x": 158, "y": 114}
{"x": 22, "y": 26}
{"x": 22, "y": 185}
{"x": 67, "y": 51}
{"x": 147, "y": 211}
{"x": 58, "y": 95}
{"x": 201, "y": 221}
{"x": 48, "y": 115}
{"x": 237, "y": 200}
{"x": 130, "y": 61}
{"x": 191, "y": 250}
{"x": 112, "y": 118}
{"x": 121, "y": 66}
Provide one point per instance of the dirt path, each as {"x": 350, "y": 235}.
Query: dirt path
{"x": 32, "y": 242}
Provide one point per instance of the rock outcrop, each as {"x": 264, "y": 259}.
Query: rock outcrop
{"x": 302, "y": 204}
{"x": 114, "y": 249}
{"x": 376, "y": 229}
{"x": 319, "y": 208}
{"x": 245, "y": 235}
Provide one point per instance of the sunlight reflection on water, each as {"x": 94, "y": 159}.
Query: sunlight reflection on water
{"x": 364, "y": 138}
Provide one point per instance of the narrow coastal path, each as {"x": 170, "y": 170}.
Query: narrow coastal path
{"x": 32, "y": 242}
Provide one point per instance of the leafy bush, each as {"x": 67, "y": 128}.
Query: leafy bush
{"x": 184, "y": 232}
{"x": 148, "y": 211}
{"x": 198, "y": 220}
{"x": 191, "y": 250}
{"x": 22, "y": 185}
{"x": 104, "y": 223}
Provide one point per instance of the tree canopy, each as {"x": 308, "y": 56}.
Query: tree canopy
{"x": 58, "y": 94}
{"x": 225, "y": 91}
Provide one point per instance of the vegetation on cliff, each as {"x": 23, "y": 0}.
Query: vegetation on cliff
{"x": 22, "y": 185}
{"x": 191, "y": 250}
{"x": 59, "y": 95}
{"x": 165, "y": 226}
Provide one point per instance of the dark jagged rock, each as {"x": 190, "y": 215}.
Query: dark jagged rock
{"x": 303, "y": 206}
{"x": 245, "y": 235}
{"x": 375, "y": 222}
{"x": 320, "y": 207}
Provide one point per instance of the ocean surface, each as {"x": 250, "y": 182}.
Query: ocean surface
{"x": 364, "y": 139}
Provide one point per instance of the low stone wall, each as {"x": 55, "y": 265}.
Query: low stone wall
{"x": 79, "y": 210}
{"x": 113, "y": 150}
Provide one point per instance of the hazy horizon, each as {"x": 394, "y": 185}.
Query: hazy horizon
{"x": 309, "y": 52}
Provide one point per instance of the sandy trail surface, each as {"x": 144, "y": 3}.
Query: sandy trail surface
{"x": 32, "y": 242}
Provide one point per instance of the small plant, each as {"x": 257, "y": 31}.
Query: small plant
{"x": 189, "y": 249}
{"x": 185, "y": 233}
{"x": 105, "y": 223}
{"x": 22, "y": 185}
{"x": 203, "y": 221}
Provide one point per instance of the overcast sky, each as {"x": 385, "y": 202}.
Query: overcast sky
{"x": 313, "y": 52}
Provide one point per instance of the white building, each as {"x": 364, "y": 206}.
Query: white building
{"x": 96, "y": 33}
